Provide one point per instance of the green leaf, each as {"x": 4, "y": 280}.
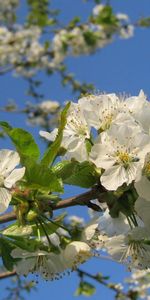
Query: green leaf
{"x": 106, "y": 17}
{"x": 74, "y": 22}
{"x": 6, "y": 127}
{"x": 40, "y": 177}
{"x": 86, "y": 289}
{"x": 30, "y": 245}
{"x": 144, "y": 22}
{"x": 90, "y": 38}
{"x": 53, "y": 150}
{"x": 23, "y": 141}
{"x": 6, "y": 247}
{"x": 74, "y": 173}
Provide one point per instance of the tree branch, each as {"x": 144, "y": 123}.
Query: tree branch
{"x": 7, "y": 217}
{"x": 7, "y": 274}
{"x": 82, "y": 199}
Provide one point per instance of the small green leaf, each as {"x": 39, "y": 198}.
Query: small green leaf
{"x": 40, "y": 177}
{"x": 90, "y": 38}
{"x": 6, "y": 247}
{"x": 106, "y": 17}
{"x": 144, "y": 22}
{"x": 86, "y": 289}
{"x": 23, "y": 141}
{"x": 53, "y": 150}
{"x": 6, "y": 127}
{"x": 30, "y": 245}
{"x": 74, "y": 173}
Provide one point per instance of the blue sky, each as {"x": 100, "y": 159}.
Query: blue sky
{"x": 123, "y": 66}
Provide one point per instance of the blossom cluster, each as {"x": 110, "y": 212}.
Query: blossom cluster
{"x": 117, "y": 128}
{"x": 139, "y": 282}
{"x": 21, "y": 47}
{"x": 87, "y": 38}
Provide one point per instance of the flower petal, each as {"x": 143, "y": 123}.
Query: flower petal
{"x": 143, "y": 188}
{"x": 5, "y": 198}
{"x": 15, "y": 175}
{"x": 8, "y": 161}
{"x": 50, "y": 136}
{"x": 113, "y": 178}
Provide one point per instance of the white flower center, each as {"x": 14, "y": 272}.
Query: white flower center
{"x": 78, "y": 126}
{"x": 125, "y": 158}
{"x": 107, "y": 120}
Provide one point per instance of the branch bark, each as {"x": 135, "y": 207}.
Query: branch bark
{"x": 82, "y": 199}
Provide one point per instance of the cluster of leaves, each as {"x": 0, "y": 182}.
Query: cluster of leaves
{"x": 39, "y": 13}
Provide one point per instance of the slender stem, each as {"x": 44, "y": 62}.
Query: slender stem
{"x": 102, "y": 280}
{"x": 43, "y": 227}
{"x": 82, "y": 199}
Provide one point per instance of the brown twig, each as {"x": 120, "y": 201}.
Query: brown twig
{"x": 82, "y": 199}
{"x": 7, "y": 274}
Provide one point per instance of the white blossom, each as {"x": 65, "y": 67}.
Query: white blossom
{"x": 139, "y": 108}
{"x": 75, "y": 134}
{"x": 121, "y": 153}
{"x": 51, "y": 265}
{"x": 76, "y": 253}
{"x": 113, "y": 226}
{"x": 101, "y": 110}
{"x": 48, "y": 106}
{"x": 75, "y": 220}
{"x": 130, "y": 248}
{"x": 97, "y": 9}
{"x": 126, "y": 32}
